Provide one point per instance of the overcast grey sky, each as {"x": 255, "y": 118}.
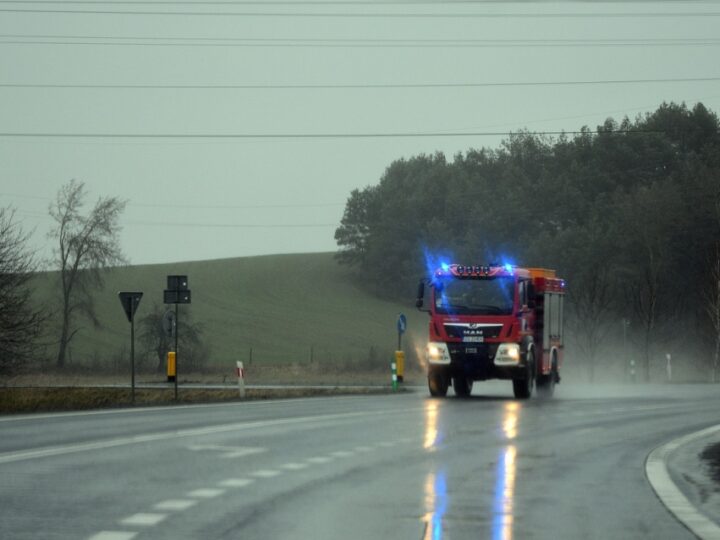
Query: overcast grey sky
{"x": 200, "y": 198}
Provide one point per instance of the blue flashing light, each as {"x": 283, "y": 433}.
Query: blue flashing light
{"x": 508, "y": 268}
{"x": 445, "y": 267}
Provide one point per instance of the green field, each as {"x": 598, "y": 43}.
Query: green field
{"x": 281, "y": 306}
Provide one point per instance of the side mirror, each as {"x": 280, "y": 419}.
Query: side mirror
{"x": 420, "y": 294}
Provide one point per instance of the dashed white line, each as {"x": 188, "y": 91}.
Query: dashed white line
{"x": 294, "y": 466}
{"x": 319, "y": 459}
{"x": 342, "y": 454}
{"x": 113, "y": 535}
{"x": 363, "y": 449}
{"x": 144, "y": 519}
{"x": 236, "y": 482}
{"x": 205, "y": 493}
{"x": 266, "y": 473}
{"x": 175, "y": 504}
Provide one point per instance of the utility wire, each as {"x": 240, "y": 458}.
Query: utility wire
{"x": 196, "y": 206}
{"x": 310, "y": 135}
{"x": 140, "y": 41}
{"x": 394, "y": 15}
{"x": 354, "y": 86}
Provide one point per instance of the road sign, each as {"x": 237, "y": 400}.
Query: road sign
{"x": 177, "y": 283}
{"x": 169, "y": 323}
{"x": 130, "y": 301}
{"x": 401, "y": 324}
{"x": 176, "y": 297}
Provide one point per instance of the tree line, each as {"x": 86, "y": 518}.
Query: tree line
{"x": 628, "y": 213}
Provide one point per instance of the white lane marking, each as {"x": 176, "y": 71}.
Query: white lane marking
{"x": 144, "y": 519}
{"x": 236, "y": 482}
{"x": 228, "y": 451}
{"x": 266, "y": 473}
{"x": 113, "y": 535}
{"x": 342, "y": 454}
{"x": 294, "y": 466}
{"x": 319, "y": 459}
{"x": 386, "y": 444}
{"x": 205, "y": 493}
{"x": 363, "y": 449}
{"x": 10, "y": 457}
{"x": 175, "y": 504}
{"x": 670, "y": 495}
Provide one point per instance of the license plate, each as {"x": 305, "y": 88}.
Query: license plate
{"x": 474, "y": 339}
{"x": 471, "y": 350}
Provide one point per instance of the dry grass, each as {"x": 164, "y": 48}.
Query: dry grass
{"x": 24, "y": 400}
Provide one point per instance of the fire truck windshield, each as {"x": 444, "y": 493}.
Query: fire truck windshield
{"x": 485, "y": 296}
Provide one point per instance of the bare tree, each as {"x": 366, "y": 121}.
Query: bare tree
{"x": 86, "y": 245}
{"x": 157, "y": 343}
{"x": 19, "y": 320}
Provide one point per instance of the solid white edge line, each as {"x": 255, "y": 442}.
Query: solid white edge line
{"x": 94, "y": 412}
{"x": 22, "y": 455}
{"x": 671, "y": 496}
{"x": 113, "y": 535}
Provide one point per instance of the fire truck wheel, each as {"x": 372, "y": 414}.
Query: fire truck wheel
{"x": 438, "y": 383}
{"x": 462, "y": 386}
{"x": 546, "y": 383}
{"x": 522, "y": 388}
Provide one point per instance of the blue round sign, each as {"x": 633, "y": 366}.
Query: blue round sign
{"x": 401, "y": 323}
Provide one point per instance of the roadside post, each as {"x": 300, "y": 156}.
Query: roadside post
{"x": 130, "y": 302}
{"x": 393, "y": 367}
{"x": 177, "y": 292}
{"x": 240, "y": 372}
{"x": 632, "y": 370}
{"x": 169, "y": 323}
{"x": 171, "y": 366}
{"x": 399, "y": 354}
{"x": 669, "y": 367}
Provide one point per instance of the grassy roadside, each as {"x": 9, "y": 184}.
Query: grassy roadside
{"x": 25, "y": 400}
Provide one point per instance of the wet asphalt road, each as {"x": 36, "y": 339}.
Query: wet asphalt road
{"x": 402, "y": 466}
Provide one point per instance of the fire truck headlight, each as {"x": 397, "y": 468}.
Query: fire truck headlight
{"x": 437, "y": 353}
{"x": 508, "y": 354}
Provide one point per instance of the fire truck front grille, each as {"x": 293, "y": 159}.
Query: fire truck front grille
{"x": 469, "y": 330}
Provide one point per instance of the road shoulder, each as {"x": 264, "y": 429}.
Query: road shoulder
{"x": 683, "y": 482}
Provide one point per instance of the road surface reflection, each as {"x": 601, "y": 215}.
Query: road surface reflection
{"x": 504, "y": 496}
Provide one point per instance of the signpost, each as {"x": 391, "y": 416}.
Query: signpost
{"x": 130, "y": 302}
{"x": 177, "y": 292}
{"x": 399, "y": 354}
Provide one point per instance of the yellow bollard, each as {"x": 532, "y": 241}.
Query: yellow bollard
{"x": 171, "y": 366}
{"x": 400, "y": 361}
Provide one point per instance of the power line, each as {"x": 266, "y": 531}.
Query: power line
{"x": 393, "y": 15}
{"x": 140, "y": 41}
{"x": 354, "y": 86}
{"x": 198, "y": 206}
{"x": 306, "y": 135}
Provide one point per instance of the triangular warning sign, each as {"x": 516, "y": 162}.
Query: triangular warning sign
{"x": 130, "y": 302}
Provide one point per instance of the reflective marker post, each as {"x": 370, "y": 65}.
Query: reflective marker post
{"x": 393, "y": 367}
{"x": 240, "y": 372}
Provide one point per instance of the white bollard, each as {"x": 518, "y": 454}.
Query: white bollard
{"x": 669, "y": 367}
{"x": 240, "y": 371}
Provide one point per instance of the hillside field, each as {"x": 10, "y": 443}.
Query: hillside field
{"x": 281, "y": 306}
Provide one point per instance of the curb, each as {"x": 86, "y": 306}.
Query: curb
{"x": 671, "y": 496}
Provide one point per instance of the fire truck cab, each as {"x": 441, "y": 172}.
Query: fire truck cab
{"x": 493, "y": 322}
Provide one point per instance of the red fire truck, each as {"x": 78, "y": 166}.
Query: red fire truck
{"x": 494, "y": 322}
